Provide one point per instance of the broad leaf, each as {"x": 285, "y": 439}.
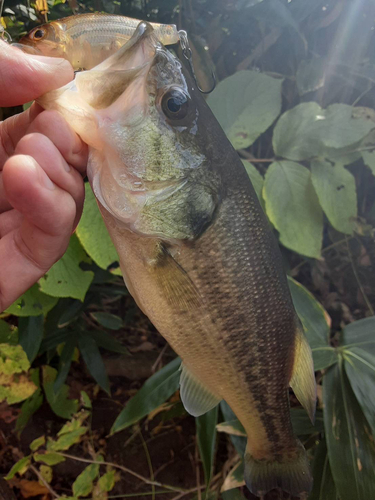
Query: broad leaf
{"x": 293, "y": 207}
{"x": 110, "y": 321}
{"x": 19, "y": 467}
{"x": 310, "y": 75}
{"x": 49, "y": 458}
{"x": 308, "y": 131}
{"x": 30, "y": 332}
{"x": 156, "y": 390}
{"x": 323, "y": 486}
{"x": 32, "y": 303}
{"x": 351, "y": 448}
{"x": 93, "y": 359}
{"x": 59, "y": 401}
{"x": 32, "y": 404}
{"x": 107, "y": 481}
{"x": 8, "y": 335}
{"x": 84, "y": 483}
{"x": 66, "y": 278}
{"x": 37, "y": 443}
{"x": 301, "y": 422}
{"x": 206, "y": 437}
{"x": 93, "y": 234}
{"x": 335, "y": 187}
{"x": 256, "y": 179}
{"x": 246, "y": 104}
{"x": 15, "y": 383}
{"x": 369, "y": 159}
{"x": 316, "y": 323}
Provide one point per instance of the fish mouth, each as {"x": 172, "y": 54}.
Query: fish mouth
{"x": 28, "y": 49}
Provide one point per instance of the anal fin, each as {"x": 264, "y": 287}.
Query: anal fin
{"x": 196, "y": 398}
{"x": 302, "y": 380}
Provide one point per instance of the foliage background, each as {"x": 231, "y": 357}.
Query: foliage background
{"x": 296, "y": 99}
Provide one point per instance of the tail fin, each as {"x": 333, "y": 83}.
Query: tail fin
{"x": 291, "y": 475}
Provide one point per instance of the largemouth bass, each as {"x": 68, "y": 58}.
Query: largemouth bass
{"x": 195, "y": 248}
{"x": 85, "y": 40}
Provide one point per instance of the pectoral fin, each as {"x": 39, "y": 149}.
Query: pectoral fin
{"x": 303, "y": 379}
{"x": 174, "y": 282}
{"x": 196, "y": 398}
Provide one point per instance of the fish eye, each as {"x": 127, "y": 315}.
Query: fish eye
{"x": 38, "y": 34}
{"x": 175, "y": 104}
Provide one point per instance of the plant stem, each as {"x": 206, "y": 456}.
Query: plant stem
{"x": 128, "y": 471}
{"x": 42, "y": 480}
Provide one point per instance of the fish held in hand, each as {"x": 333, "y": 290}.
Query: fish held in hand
{"x": 85, "y": 40}
{"x": 195, "y": 248}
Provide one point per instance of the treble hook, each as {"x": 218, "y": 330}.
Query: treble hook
{"x": 187, "y": 53}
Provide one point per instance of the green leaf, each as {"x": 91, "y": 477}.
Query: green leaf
{"x": 93, "y": 359}
{"x": 308, "y": 131}
{"x": 84, "y": 483}
{"x": 30, "y": 332}
{"x": 37, "y": 443}
{"x": 360, "y": 368}
{"x": 316, "y": 324}
{"x": 301, "y": 422}
{"x": 351, "y": 448}
{"x": 85, "y": 400}
{"x": 156, "y": 390}
{"x": 235, "y": 478}
{"x": 246, "y": 104}
{"x": 31, "y": 405}
{"x": 15, "y": 385}
{"x": 32, "y": 303}
{"x": 293, "y": 207}
{"x": 58, "y": 401}
{"x": 323, "y": 486}
{"x": 105, "y": 340}
{"x": 110, "y": 321}
{"x": 66, "y": 278}
{"x": 93, "y": 234}
{"x": 256, "y": 179}
{"x": 107, "y": 481}
{"x": 233, "y": 494}
{"x": 369, "y": 160}
{"x": 19, "y": 467}
{"x": 239, "y": 442}
{"x": 206, "y": 437}
{"x": 7, "y": 334}
{"x": 360, "y": 334}
{"x": 335, "y": 187}
{"x": 49, "y": 458}
{"x": 310, "y": 75}
{"x": 67, "y": 440}
{"x": 66, "y": 358}
{"x": 232, "y": 427}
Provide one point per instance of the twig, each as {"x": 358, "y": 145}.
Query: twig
{"x": 42, "y": 480}
{"x": 193, "y": 490}
{"x": 125, "y": 469}
{"x": 148, "y": 458}
{"x": 158, "y": 359}
{"x": 251, "y": 157}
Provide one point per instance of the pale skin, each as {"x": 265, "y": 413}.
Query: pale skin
{"x": 41, "y": 166}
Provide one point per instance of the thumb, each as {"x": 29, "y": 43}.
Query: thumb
{"x": 25, "y": 77}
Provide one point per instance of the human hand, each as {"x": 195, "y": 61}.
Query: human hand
{"x": 41, "y": 162}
